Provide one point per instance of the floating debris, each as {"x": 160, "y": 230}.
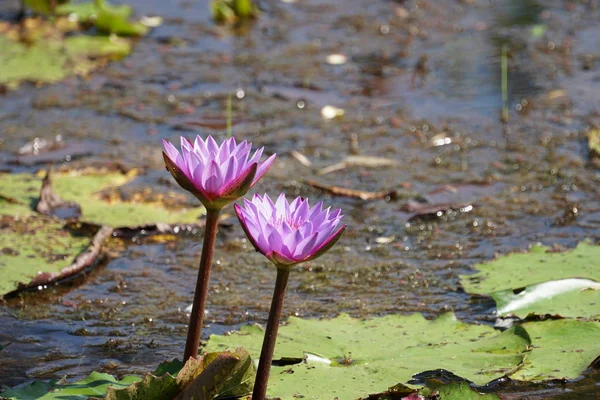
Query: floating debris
{"x": 331, "y": 112}
{"x": 359, "y": 161}
{"x": 426, "y": 210}
{"x": 359, "y": 194}
{"x": 336, "y": 59}
{"x": 301, "y": 158}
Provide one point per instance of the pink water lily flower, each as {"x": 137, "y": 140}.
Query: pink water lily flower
{"x": 215, "y": 174}
{"x": 289, "y": 233}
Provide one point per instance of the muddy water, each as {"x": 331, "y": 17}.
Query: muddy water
{"x": 421, "y": 86}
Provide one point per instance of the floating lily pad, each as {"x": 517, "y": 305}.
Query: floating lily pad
{"x": 561, "y": 349}
{"x": 87, "y": 11}
{"x": 542, "y": 282}
{"x": 55, "y": 56}
{"x": 214, "y": 373}
{"x": 349, "y": 358}
{"x": 95, "y": 385}
{"x": 107, "y": 17}
{"x": 462, "y": 391}
{"x": 87, "y": 190}
{"x": 566, "y": 297}
{"x": 32, "y": 245}
{"x": 230, "y": 11}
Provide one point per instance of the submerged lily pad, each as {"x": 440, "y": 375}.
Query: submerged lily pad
{"x": 542, "y": 282}
{"x": 561, "y": 349}
{"x": 349, "y": 358}
{"x": 86, "y": 189}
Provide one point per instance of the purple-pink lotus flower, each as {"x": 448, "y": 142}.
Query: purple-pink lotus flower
{"x": 215, "y": 174}
{"x": 289, "y": 233}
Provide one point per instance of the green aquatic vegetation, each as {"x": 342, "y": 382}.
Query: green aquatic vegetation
{"x": 231, "y": 11}
{"x": 53, "y": 59}
{"x": 33, "y": 245}
{"x": 36, "y": 248}
{"x": 351, "y": 358}
{"x": 95, "y": 192}
{"x": 47, "y": 52}
{"x": 218, "y": 374}
{"x": 541, "y": 282}
{"x": 95, "y": 385}
{"x": 561, "y": 349}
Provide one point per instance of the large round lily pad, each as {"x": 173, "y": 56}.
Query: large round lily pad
{"x": 356, "y": 358}
{"x": 542, "y": 282}
{"x": 561, "y": 349}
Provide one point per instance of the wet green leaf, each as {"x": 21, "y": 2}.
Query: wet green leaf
{"x": 86, "y": 189}
{"x": 41, "y": 6}
{"x": 229, "y": 11}
{"x": 565, "y": 297}
{"x": 462, "y": 391}
{"x": 206, "y": 378}
{"x": 110, "y": 21}
{"x": 95, "y": 385}
{"x": 212, "y": 375}
{"x": 349, "y": 358}
{"x": 87, "y": 11}
{"x": 541, "y": 282}
{"x": 55, "y": 58}
{"x": 561, "y": 349}
{"x": 168, "y": 367}
{"x": 33, "y": 245}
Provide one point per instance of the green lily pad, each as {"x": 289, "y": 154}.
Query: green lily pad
{"x": 86, "y": 11}
{"x": 565, "y": 297}
{"x": 54, "y": 58}
{"x": 561, "y": 349}
{"x": 349, "y": 358}
{"x": 109, "y": 21}
{"x": 230, "y": 11}
{"x": 86, "y": 189}
{"x": 41, "y": 6}
{"x": 462, "y": 391}
{"x": 95, "y": 385}
{"x": 542, "y": 282}
{"x": 210, "y": 376}
{"x": 32, "y": 245}
{"x": 107, "y": 17}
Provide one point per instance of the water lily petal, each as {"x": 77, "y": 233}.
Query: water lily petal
{"x": 216, "y": 174}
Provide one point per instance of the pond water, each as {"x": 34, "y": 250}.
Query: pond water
{"x": 421, "y": 86}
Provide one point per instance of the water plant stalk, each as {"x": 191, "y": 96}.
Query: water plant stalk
{"x": 504, "y": 72}
{"x": 229, "y": 115}
{"x": 201, "y": 292}
{"x": 268, "y": 347}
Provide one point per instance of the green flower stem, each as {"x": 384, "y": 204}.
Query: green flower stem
{"x": 268, "y": 347}
{"x": 197, "y": 315}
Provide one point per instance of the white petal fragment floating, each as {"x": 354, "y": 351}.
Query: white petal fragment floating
{"x": 545, "y": 291}
{"x": 336, "y": 59}
{"x": 331, "y": 112}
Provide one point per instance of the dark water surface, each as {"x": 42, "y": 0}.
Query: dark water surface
{"x": 421, "y": 86}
